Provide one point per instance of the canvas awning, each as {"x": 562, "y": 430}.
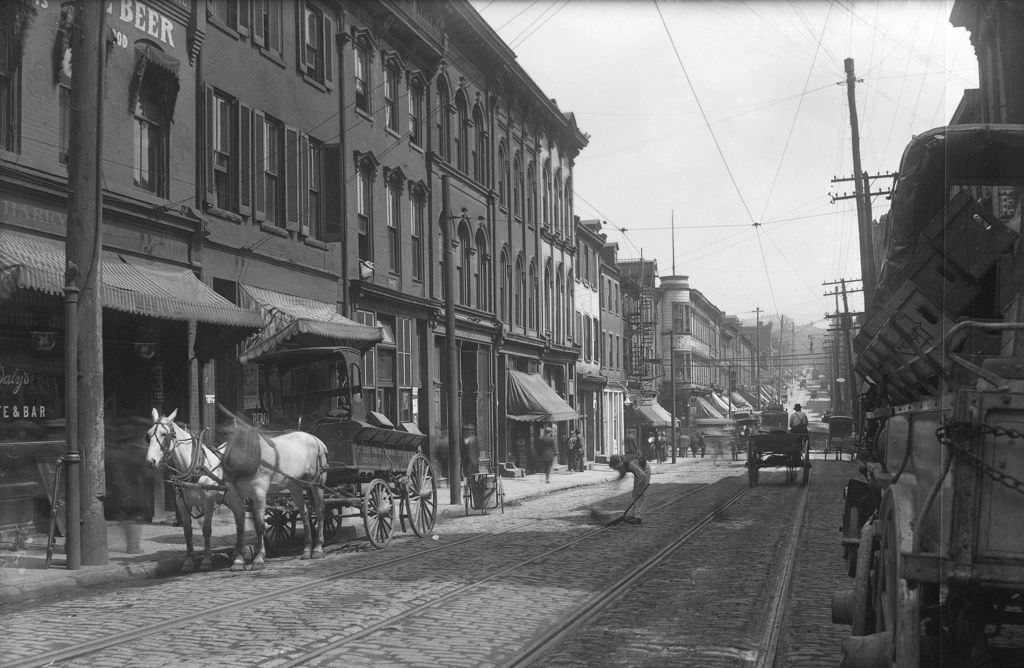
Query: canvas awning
{"x": 704, "y": 406}
{"x": 721, "y": 403}
{"x": 287, "y": 316}
{"x": 131, "y": 285}
{"x": 739, "y": 402}
{"x": 654, "y": 414}
{"x": 530, "y": 399}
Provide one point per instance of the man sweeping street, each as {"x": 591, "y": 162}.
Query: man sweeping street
{"x": 641, "y": 479}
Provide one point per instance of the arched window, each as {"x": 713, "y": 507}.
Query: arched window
{"x": 545, "y": 194}
{"x": 556, "y": 213}
{"x": 567, "y": 215}
{"x": 559, "y": 334}
{"x": 506, "y": 286}
{"x": 444, "y": 129}
{"x": 534, "y": 298}
{"x": 465, "y": 266}
{"x": 480, "y": 148}
{"x": 531, "y": 194}
{"x": 517, "y": 186}
{"x": 517, "y": 290}
{"x": 549, "y": 295}
{"x": 483, "y": 273}
{"x": 461, "y": 133}
{"x": 503, "y": 180}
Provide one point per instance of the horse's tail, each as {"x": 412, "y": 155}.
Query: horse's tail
{"x": 242, "y": 454}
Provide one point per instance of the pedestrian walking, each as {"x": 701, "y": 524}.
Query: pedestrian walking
{"x": 576, "y": 451}
{"x": 641, "y": 480}
{"x": 546, "y": 451}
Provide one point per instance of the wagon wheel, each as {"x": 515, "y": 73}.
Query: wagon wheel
{"x": 421, "y": 495}
{"x": 897, "y": 606}
{"x": 378, "y": 513}
{"x": 861, "y": 619}
{"x": 280, "y": 529}
{"x": 332, "y": 522}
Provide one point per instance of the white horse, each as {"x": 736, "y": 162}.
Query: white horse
{"x": 255, "y": 465}
{"x": 196, "y": 471}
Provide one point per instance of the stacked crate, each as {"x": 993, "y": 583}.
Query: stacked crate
{"x": 901, "y": 345}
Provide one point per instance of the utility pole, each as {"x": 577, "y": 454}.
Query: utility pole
{"x": 846, "y": 321}
{"x": 757, "y": 357}
{"x": 449, "y": 241}
{"x": 867, "y": 258}
{"x": 672, "y": 348}
{"x": 83, "y": 301}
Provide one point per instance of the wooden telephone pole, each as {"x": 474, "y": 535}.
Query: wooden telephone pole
{"x": 845, "y": 325}
{"x": 83, "y": 280}
{"x": 867, "y": 258}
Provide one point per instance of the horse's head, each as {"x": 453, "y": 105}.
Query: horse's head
{"x": 161, "y": 437}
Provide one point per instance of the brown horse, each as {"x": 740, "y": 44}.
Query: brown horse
{"x": 197, "y": 476}
{"x": 255, "y": 465}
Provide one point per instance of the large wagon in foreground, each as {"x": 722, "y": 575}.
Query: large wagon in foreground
{"x": 375, "y": 470}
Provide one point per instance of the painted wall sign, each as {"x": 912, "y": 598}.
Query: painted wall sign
{"x": 143, "y": 17}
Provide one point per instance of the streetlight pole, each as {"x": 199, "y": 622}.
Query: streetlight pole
{"x": 672, "y": 373}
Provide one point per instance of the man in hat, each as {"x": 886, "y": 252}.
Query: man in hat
{"x": 797, "y": 421}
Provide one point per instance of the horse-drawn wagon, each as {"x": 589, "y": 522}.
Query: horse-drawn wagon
{"x": 841, "y": 438}
{"x": 373, "y": 470}
{"x": 777, "y": 449}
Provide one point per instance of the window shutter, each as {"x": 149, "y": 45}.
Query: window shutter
{"x": 211, "y": 194}
{"x": 300, "y": 22}
{"x": 259, "y": 206}
{"x": 291, "y": 170}
{"x": 328, "y": 51}
{"x": 244, "y": 159}
{"x": 275, "y": 16}
{"x": 304, "y": 160}
{"x": 243, "y": 17}
{"x": 259, "y": 11}
{"x": 331, "y": 193}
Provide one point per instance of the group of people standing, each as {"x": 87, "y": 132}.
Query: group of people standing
{"x": 547, "y": 451}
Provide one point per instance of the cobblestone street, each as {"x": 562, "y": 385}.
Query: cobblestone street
{"x": 445, "y": 602}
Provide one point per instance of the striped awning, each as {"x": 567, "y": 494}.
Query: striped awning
{"x": 287, "y": 316}
{"x": 130, "y": 284}
{"x": 705, "y": 409}
{"x": 531, "y": 399}
{"x": 654, "y": 414}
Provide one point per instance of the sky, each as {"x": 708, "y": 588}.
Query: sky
{"x": 727, "y": 121}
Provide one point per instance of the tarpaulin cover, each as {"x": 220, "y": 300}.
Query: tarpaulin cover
{"x": 132, "y": 285}
{"x": 286, "y": 316}
{"x": 530, "y": 399}
{"x": 654, "y": 414}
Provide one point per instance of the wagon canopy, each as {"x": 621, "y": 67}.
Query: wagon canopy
{"x": 288, "y": 316}
{"x": 530, "y": 399}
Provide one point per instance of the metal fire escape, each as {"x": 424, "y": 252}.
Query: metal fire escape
{"x": 644, "y": 367}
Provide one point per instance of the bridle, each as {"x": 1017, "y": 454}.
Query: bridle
{"x": 169, "y": 441}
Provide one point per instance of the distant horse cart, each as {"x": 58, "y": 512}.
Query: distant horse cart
{"x": 779, "y": 449}
{"x": 841, "y": 438}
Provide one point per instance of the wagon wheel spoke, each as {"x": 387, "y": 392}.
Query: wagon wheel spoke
{"x": 280, "y": 529}
{"x": 332, "y": 523}
{"x": 421, "y": 495}
{"x": 378, "y": 513}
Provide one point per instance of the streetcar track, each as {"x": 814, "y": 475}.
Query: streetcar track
{"x": 599, "y": 603}
{"x": 87, "y": 647}
{"x": 769, "y": 646}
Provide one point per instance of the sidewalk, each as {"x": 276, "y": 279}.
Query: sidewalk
{"x": 24, "y": 576}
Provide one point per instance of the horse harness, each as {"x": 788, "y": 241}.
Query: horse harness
{"x": 196, "y": 469}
